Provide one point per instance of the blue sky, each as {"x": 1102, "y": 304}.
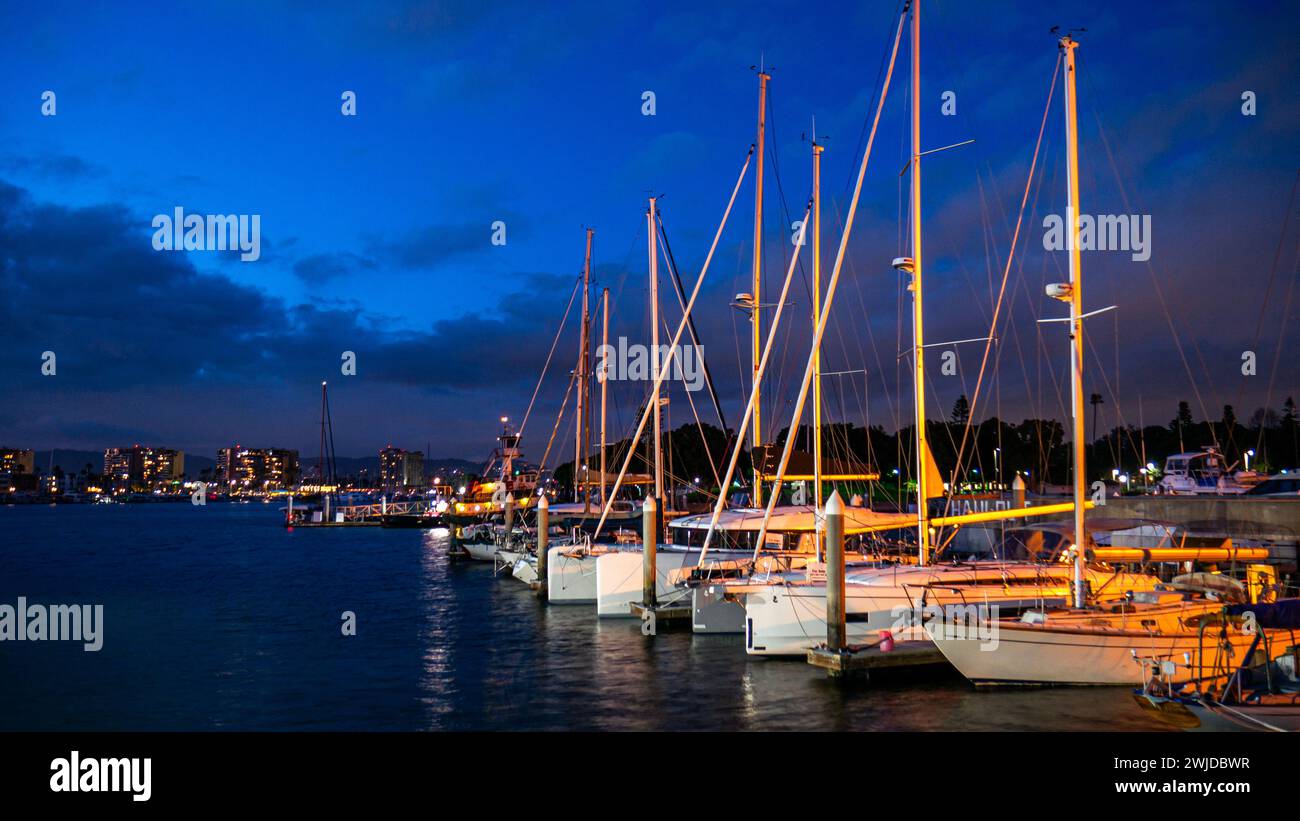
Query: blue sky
{"x": 376, "y": 227}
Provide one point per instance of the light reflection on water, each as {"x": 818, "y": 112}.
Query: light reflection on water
{"x": 216, "y": 618}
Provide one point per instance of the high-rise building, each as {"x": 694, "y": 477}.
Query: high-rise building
{"x": 143, "y": 468}
{"x": 243, "y": 469}
{"x": 400, "y": 469}
{"x": 123, "y": 468}
{"x": 162, "y": 467}
{"x": 14, "y": 461}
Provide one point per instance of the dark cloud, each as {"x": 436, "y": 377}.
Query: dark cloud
{"x": 320, "y": 268}
{"x": 57, "y": 167}
{"x": 432, "y": 246}
{"x": 126, "y": 322}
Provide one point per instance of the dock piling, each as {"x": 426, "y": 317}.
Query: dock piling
{"x": 649, "y": 543}
{"x": 510, "y": 519}
{"x": 652, "y": 614}
{"x": 836, "y": 629}
{"x": 543, "y": 526}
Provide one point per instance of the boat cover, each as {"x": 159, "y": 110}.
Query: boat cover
{"x": 1282, "y": 615}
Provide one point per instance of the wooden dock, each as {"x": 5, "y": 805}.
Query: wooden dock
{"x": 672, "y": 614}
{"x": 862, "y": 659}
{"x": 293, "y": 525}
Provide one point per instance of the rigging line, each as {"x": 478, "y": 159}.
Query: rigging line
{"x": 780, "y": 190}
{"x": 677, "y": 336}
{"x": 555, "y": 429}
{"x": 839, "y": 332}
{"x": 803, "y": 275}
{"x": 875, "y": 86}
{"x": 333, "y": 454}
{"x": 565, "y": 318}
{"x": 735, "y": 331}
{"x": 1281, "y": 335}
{"x": 1259, "y": 325}
{"x": 1033, "y": 397}
{"x": 1160, "y": 295}
{"x": 862, "y": 351}
{"x": 1035, "y": 312}
{"x": 623, "y": 270}
{"x": 690, "y": 324}
{"x": 699, "y": 424}
{"x": 1006, "y": 272}
{"x": 1114, "y": 396}
{"x": 749, "y": 414}
{"x": 1035, "y": 400}
{"x": 830, "y": 296}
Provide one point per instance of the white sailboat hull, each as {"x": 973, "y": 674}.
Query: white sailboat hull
{"x": 712, "y": 612}
{"x": 481, "y": 551}
{"x": 1040, "y": 654}
{"x": 525, "y": 569}
{"x": 618, "y": 583}
{"x": 570, "y": 579}
{"x": 618, "y": 580}
{"x": 790, "y": 619}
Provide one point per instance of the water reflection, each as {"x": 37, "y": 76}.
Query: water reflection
{"x": 234, "y": 624}
{"x": 496, "y": 657}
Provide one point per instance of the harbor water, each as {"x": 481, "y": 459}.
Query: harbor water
{"x": 217, "y": 618}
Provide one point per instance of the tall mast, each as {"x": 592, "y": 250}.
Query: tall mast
{"x": 654, "y": 345}
{"x": 918, "y": 330}
{"x": 756, "y": 314}
{"x": 1076, "y": 320}
{"x": 817, "y": 315}
{"x": 320, "y": 461}
{"x": 582, "y": 434}
{"x": 327, "y": 466}
{"x": 604, "y": 386}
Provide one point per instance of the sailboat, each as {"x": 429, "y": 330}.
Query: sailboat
{"x": 1091, "y": 642}
{"x": 611, "y": 575}
{"x": 785, "y": 612}
{"x": 1254, "y": 692}
{"x": 326, "y": 473}
{"x": 606, "y": 573}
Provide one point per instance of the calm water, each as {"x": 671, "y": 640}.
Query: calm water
{"x": 217, "y": 618}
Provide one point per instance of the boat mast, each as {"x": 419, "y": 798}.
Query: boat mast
{"x": 817, "y": 354}
{"x": 327, "y": 466}
{"x": 1076, "y": 320}
{"x": 654, "y": 345}
{"x": 582, "y": 434}
{"x": 604, "y": 386}
{"x": 918, "y": 331}
{"x": 755, "y": 315}
{"x": 320, "y": 460}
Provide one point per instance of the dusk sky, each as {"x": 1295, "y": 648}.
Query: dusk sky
{"x": 376, "y": 228}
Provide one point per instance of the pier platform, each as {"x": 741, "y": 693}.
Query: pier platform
{"x": 862, "y": 659}
{"x": 333, "y": 524}
{"x": 671, "y": 614}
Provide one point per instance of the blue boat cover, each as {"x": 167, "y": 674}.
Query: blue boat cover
{"x": 1282, "y": 615}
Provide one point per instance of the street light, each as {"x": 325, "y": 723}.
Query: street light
{"x": 1249, "y": 454}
